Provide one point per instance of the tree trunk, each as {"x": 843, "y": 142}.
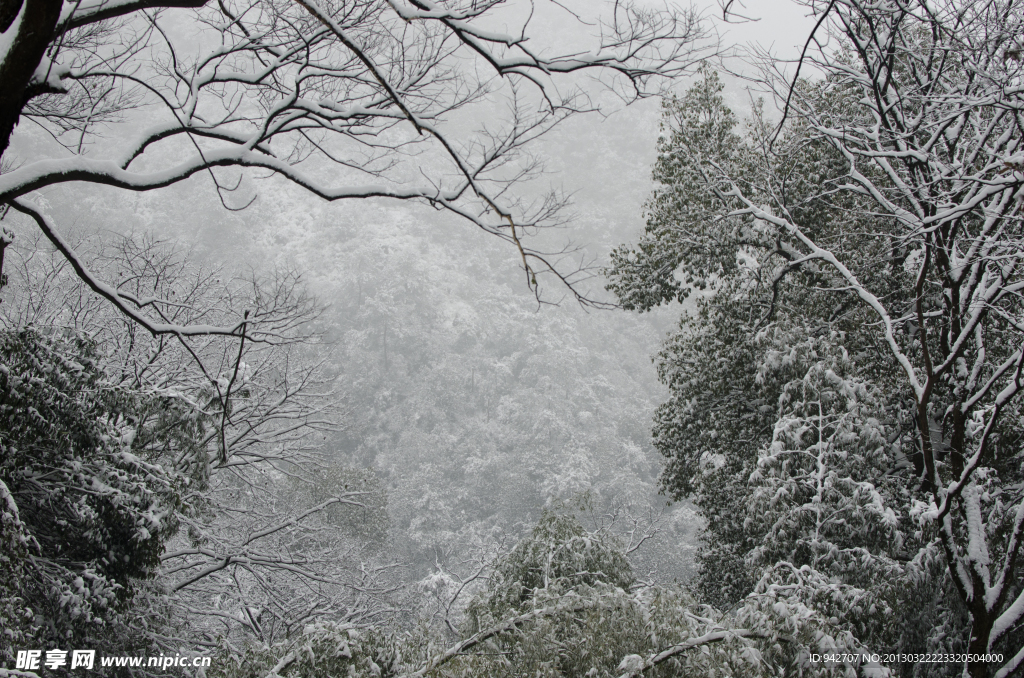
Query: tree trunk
{"x": 33, "y": 32}
{"x": 4, "y": 242}
{"x": 981, "y": 629}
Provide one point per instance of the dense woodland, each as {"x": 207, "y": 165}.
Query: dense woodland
{"x": 305, "y": 366}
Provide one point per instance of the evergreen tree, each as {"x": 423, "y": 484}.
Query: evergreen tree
{"x": 85, "y": 517}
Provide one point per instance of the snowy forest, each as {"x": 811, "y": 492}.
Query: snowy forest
{"x": 511, "y": 338}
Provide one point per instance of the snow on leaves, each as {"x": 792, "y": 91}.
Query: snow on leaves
{"x": 875, "y": 232}
{"x": 89, "y": 516}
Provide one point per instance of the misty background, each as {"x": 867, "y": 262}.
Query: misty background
{"x": 474, "y": 406}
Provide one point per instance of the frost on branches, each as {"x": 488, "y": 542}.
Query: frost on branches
{"x": 564, "y": 601}
{"x": 351, "y": 100}
{"x": 861, "y": 266}
{"x": 261, "y": 532}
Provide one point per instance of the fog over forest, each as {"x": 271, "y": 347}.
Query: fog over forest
{"x": 509, "y": 338}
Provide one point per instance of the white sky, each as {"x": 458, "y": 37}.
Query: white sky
{"x": 607, "y": 163}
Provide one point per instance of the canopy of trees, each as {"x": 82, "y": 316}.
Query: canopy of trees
{"x": 845, "y": 394}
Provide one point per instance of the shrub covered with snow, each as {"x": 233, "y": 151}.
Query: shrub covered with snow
{"x": 84, "y": 516}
